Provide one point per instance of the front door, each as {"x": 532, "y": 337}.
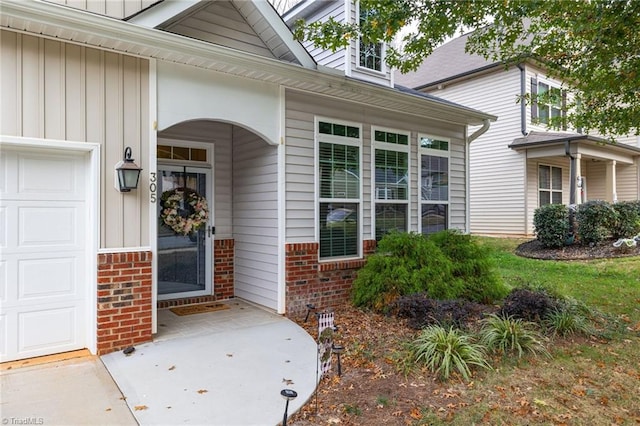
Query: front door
{"x": 184, "y": 254}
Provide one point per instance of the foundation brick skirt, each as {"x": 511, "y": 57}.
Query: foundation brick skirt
{"x": 325, "y": 284}
{"x": 124, "y": 300}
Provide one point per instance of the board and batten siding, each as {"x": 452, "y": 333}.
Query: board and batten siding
{"x": 496, "y": 171}
{"x": 118, "y": 9}
{"x": 301, "y": 110}
{"x": 61, "y": 91}
{"x": 255, "y": 218}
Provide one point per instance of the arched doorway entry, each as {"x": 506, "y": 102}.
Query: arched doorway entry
{"x": 235, "y": 254}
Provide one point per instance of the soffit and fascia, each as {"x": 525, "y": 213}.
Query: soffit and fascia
{"x": 71, "y": 25}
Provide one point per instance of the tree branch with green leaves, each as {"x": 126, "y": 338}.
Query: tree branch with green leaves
{"x": 593, "y": 46}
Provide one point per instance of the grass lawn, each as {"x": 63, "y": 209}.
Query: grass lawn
{"x": 611, "y": 285}
{"x": 588, "y": 380}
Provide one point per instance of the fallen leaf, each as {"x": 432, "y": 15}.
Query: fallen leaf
{"x": 415, "y": 413}
{"x": 108, "y": 409}
{"x": 287, "y": 381}
{"x": 173, "y": 367}
{"x": 140, "y": 407}
{"x": 540, "y": 402}
{"x": 201, "y": 391}
{"x": 229, "y": 355}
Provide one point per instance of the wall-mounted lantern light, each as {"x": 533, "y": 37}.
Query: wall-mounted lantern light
{"x": 127, "y": 173}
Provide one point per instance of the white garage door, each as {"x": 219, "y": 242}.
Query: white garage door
{"x": 43, "y": 253}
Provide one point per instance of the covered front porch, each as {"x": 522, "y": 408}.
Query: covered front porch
{"x": 572, "y": 168}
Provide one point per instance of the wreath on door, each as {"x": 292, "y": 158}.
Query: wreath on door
{"x": 184, "y": 210}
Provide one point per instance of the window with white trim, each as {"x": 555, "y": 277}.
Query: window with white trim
{"x": 548, "y": 103}
{"x": 390, "y": 180}
{"x": 434, "y": 184}
{"x": 340, "y": 198}
{"x": 549, "y": 185}
{"x": 370, "y": 55}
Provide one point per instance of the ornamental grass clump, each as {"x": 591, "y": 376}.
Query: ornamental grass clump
{"x": 566, "y": 323}
{"x": 508, "y": 335}
{"x": 568, "y": 318}
{"x": 444, "y": 351}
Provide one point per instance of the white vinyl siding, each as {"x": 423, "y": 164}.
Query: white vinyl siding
{"x": 221, "y": 23}
{"x": 497, "y": 179}
{"x": 114, "y": 8}
{"x": 68, "y": 92}
{"x": 301, "y": 110}
{"x": 255, "y": 218}
{"x": 322, "y": 56}
{"x": 628, "y": 181}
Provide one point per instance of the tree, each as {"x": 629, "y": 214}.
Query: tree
{"x": 591, "y": 45}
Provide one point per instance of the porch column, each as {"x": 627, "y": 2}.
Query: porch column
{"x": 578, "y": 192}
{"x": 610, "y": 182}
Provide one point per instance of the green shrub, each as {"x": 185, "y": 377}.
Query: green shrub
{"x": 445, "y": 350}
{"x": 595, "y": 219}
{"x": 508, "y": 335}
{"x": 445, "y": 266}
{"x": 551, "y": 223}
{"x": 473, "y": 265}
{"x": 404, "y": 263}
{"x": 627, "y": 220}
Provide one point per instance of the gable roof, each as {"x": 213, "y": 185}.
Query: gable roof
{"x": 253, "y": 26}
{"x": 447, "y": 62}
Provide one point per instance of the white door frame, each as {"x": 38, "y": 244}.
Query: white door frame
{"x": 92, "y": 234}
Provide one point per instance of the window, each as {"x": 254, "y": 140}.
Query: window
{"x": 549, "y": 185}
{"x": 370, "y": 55}
{"x": 434, "y": 184}
{"x": 339, "y": 189}
{"x": 391, "y": 181}
{"x": 549, "y": 103}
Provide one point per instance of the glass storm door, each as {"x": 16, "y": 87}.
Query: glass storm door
{"x": 184, "y": 261}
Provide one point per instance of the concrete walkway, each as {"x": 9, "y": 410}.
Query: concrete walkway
{"x": 220, "y": 368}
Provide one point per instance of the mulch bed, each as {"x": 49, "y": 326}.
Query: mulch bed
{"x": 605, "y": 249}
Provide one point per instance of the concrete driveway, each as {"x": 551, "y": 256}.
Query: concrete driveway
{"x": 77, "y": 391}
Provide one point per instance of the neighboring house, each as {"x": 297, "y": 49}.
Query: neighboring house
{"x": 520, "y": 164}
{"x": 217, "y": 97}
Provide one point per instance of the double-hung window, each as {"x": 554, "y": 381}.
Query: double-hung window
{"x": 390, "y": 180}
{"x": 548, "y": 104}
{"x": 370, "y": 55}
{"x": 339, "y": 159}
{"x": 434, "y": 183}
{"x": 549, "y": 185}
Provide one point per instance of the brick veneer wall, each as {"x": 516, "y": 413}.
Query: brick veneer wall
{"x": 324, "y": 284}
{"x": 124, "y": 300}
{"x": 223, "y": 277}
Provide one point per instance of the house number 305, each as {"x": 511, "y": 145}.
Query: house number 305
{"x": 153, "y": 186}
